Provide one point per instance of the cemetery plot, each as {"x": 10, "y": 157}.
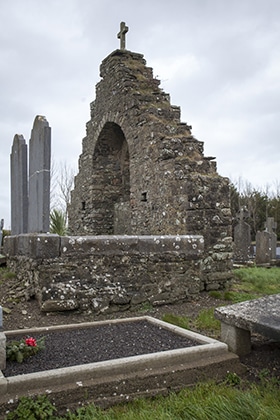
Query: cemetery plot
{"x": 98, "y": 343}
{"x": 166, "y": 356}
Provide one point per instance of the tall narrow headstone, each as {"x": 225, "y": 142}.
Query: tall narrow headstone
{"x": 242, "y": 238}
{"x": 263, "y": 248}
{"x": 270, "y": 226}
{"x": 39, "y": 176}
{"x": 19, "y": 190}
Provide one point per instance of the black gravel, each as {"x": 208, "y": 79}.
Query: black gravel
{"x": 96, "y": 344}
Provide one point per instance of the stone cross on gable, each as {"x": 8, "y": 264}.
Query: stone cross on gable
{"x": 121, "y": 35}
{"x": 270, "y": 224}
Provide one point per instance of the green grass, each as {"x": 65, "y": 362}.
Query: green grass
{"x": 5, "y": 274}
{"x": 234, "y": 296}
{"x": 206, "y": 321}
{"x": 251, "y": 283}
{"x": 257, "y": 280}
{"x": 206, "y": 401}
{"x": 180, "y": 321}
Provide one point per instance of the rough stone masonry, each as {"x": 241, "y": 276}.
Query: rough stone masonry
{"x": 142, "y": 172}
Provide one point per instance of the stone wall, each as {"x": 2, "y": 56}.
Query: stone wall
{"x": 142, "y": 172}
{"x": 106, "y": 273}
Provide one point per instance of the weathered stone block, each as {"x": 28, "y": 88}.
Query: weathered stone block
{"x": 10, "y": 246}
{"x": 237, "y": 339}
{"x": 38, "y": 246}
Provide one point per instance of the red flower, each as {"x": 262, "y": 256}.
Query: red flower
{"x": 30, "y": 341}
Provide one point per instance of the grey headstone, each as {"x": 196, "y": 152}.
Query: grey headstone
{"x": 39, "y": 176}
{"x": 263, "y": 248}
{"x": 266, "y": 243}
{"x": 242, "y": 241}
{"x": 19, "y": 190}
{"x": 271, "y": 226}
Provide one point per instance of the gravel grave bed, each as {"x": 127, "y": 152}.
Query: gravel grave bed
{"x": 96, "y": 344}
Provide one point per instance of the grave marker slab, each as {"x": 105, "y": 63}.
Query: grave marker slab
{"x": 266, "y": 243}
{"x": 242, "y": 239}
{"x": 271, "y": 226}
{"x": 39, "y": 176}
{"x": 19, "y": 190}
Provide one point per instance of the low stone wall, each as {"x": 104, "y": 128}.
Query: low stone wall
{"x": 106, "y": 273}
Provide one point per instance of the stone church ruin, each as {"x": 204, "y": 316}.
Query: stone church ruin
{"x": 149, "y": 217}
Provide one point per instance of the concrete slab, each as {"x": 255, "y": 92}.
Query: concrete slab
{"x": 238, "y": 321}
{"x": 121, "y": 379}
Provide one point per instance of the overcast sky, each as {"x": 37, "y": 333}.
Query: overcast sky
{"x": 218, "y": 59}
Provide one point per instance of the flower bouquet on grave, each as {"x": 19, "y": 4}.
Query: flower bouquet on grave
{"x": 24, "y": 348}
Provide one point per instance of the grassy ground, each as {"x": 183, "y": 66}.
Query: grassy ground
{"x": 206, "y": 401}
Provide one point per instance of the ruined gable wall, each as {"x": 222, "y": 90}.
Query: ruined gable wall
{"x": 174, "y": 188}
{"x": 166, "y": 163}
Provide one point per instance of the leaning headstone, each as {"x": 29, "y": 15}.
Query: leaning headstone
{"x": 242, "y": 238}
{"x": 19, "y": 190}
{"x": 39, "y": 176}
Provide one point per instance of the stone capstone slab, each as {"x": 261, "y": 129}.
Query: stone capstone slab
{"x": 190, "y": 245}
{"x": 33, "y": 245}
